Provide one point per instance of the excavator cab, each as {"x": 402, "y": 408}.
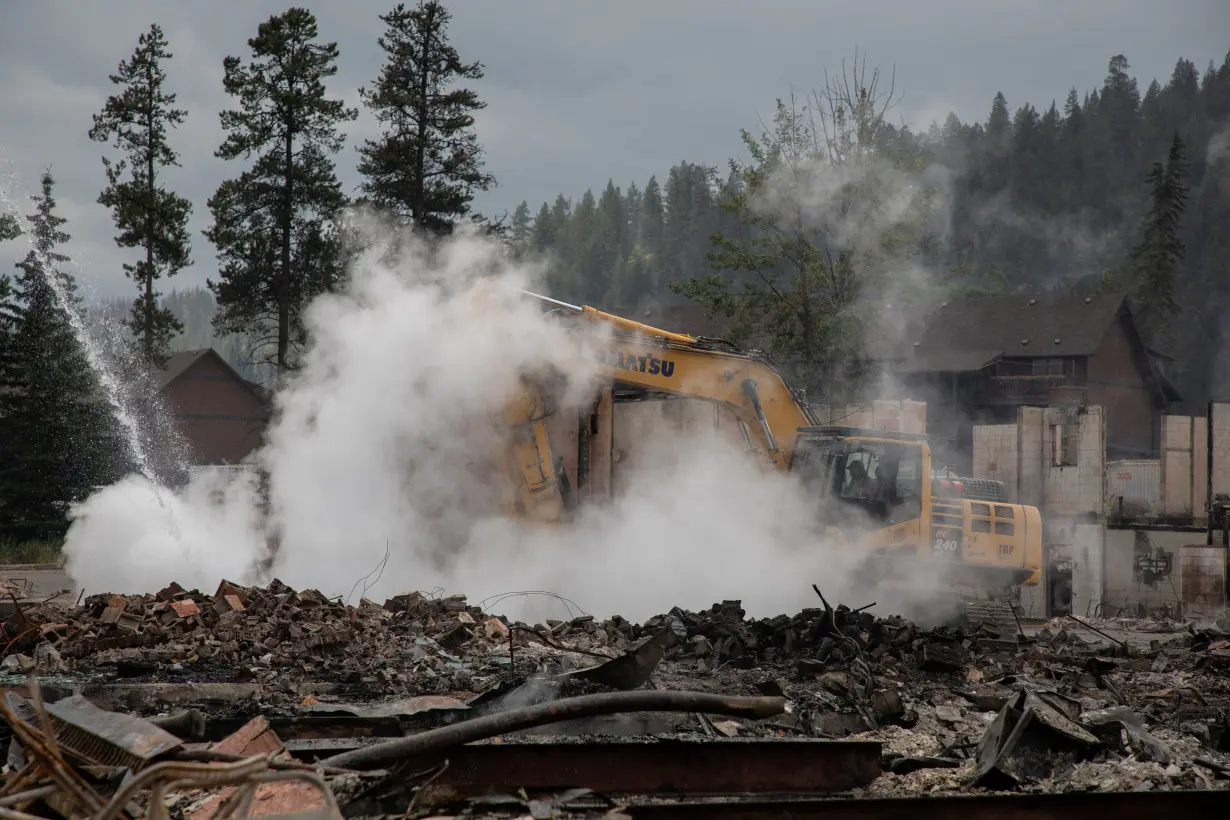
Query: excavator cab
{"x": 879, "y": 474}
{"x": 910, "y": 513}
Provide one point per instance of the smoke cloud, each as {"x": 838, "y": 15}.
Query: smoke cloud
{"x": 382, "y": 444}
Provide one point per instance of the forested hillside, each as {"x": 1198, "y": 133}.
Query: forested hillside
{"x": 1051, "y": 195}
{"x": 194, "y": 309}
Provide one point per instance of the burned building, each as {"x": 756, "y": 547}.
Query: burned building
{"x": 978, "y": 360}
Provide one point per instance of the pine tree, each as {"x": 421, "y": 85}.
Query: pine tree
{"x": 651, "y": 234}
{"x": 609, "y": 230}
{"x": 522, "y": 228}
{"x": 998, "y": 143}
{"x": 59, "y": 437}
{"x": 582, "y": 280}
{"x": 147, "y": 215}
{"x": 427, "y": 163}
{"x": 10, "y": 227}
{"x": 1159, "y": 250}
{"x": 544, "y": 231}
{"x": 270, "y": 223}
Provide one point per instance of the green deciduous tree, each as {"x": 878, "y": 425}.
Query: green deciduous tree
{"x": 275, "y": 225}
{"x": 1159, "y": 250}
{"x": 59, "y": 438}
{"x": 823, "y": 211}
{"x": 147, "y": 215}
{"x": 427, "y": 163}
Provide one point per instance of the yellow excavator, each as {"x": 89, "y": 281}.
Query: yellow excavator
{"x": 877, "y": 491}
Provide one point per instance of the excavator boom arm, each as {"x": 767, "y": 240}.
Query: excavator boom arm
{"x": 747, "y": 384}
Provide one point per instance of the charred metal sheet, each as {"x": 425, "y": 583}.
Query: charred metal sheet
{"x": 692, "y": 767}
{"x": 1028, "y": 735}
{"x": 108, "y": 738}
{"x": 631, "y": 670}
{"x": 1069, "y": 806}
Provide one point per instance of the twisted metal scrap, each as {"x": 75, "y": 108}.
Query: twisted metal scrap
{"x": 164, "y": 778}
{"x": 44, "y": 753}
{"x": 46, "y": 761}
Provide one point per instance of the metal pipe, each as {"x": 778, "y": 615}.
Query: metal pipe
{"x": 607, "y": 703}
{"x": 28, "y": 796}
{"x": 549, "y": 300}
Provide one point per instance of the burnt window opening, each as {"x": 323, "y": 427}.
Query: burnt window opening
{"x": 1065, "y": 445}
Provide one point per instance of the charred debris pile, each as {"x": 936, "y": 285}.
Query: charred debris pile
{"x": 275, "y": 691}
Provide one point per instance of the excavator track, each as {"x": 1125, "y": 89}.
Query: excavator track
{"x": 959, "y": 606}
{"x": 996, "y": 615}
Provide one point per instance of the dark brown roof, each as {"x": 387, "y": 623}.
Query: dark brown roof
{"x": 968, "y": 334}
{"x": 177, "y": 363}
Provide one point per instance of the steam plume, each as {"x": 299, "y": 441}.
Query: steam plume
{"x": 382, "y": 440}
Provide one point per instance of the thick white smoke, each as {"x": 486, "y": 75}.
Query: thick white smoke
{"x": 381, "y": 443}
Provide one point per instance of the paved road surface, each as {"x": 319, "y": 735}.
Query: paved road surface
{"x": 37, "y": 581}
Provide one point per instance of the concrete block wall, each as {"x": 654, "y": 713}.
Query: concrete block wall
{"x": 1176, "y": 472}
{"x": 997, "y": 454}
{"x": 1143, "y": 569}
{"x": 1200, "y": 468}
{"x": 1078, "y": 489}
{"x": 1202, "y": 576}
{"x": 1088, "y": 553}
{"x": 1030, "y": 421}
{"x": 1023, "y": 456}
{"x": 1221, "y": 448}
{"x": 1182, "y": 471}
{"x": 1071, "y": 497}
{"x": 1139, "y": 569}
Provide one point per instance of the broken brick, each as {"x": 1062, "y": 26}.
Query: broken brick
{"x": 169, "y": 592}
{"x": 185, "y": 608}
{"x": 495, "y": 628}
{"x": 227, "y": 603}
{"x": 253, "y": 738}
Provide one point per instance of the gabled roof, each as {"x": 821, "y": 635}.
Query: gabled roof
{"x": 967, "y": 334}
{"x": 178, "y": 363}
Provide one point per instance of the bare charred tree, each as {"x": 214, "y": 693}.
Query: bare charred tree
{"x": 812, "y": 227}
{"x": 851, "y": 109}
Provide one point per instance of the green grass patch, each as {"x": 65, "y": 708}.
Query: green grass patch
{"x": 30, "y": 552}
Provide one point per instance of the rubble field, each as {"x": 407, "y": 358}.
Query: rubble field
{"x": 265, "y": 676}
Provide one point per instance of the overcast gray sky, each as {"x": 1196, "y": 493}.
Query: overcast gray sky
{"x": 577, "y": 91}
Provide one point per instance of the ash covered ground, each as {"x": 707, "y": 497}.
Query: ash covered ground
{"x": 1116, "y": 705}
